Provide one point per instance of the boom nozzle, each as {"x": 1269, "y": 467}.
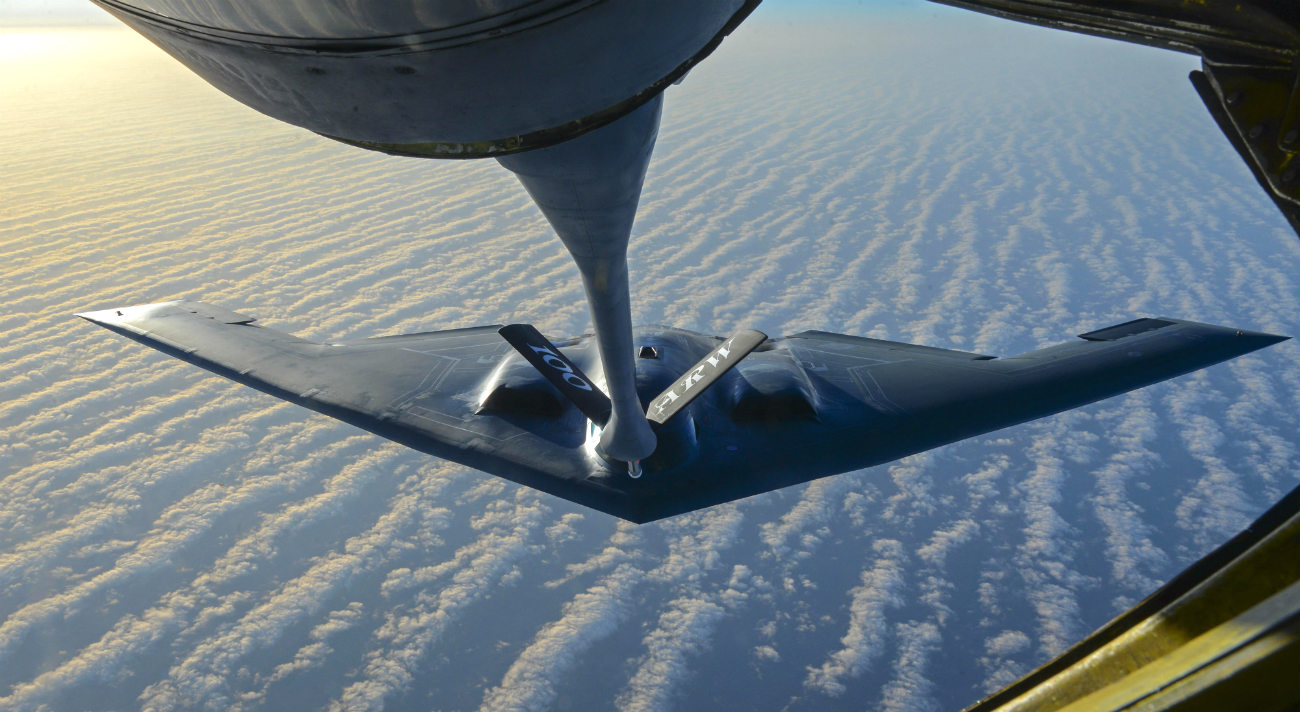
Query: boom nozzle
{"x": 588, "y": 189}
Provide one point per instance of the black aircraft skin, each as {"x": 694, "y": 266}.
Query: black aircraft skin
{"x": 795, "y": 409}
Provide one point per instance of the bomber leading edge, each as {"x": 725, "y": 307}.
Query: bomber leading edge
{"x": 640, "y": 423}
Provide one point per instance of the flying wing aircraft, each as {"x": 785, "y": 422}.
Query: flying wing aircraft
{"x": 733, "y": 417}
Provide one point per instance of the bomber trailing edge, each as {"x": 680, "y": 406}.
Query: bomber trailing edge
{"x": 782, "y": 412}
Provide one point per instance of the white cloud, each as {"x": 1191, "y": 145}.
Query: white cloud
{"x": 767, "y": 653}
{"x": 868, "y": 631}
{"x": 683, "y": 631}
{"x": 200, "y": 605}
{"x": 315, "y": 653}
{"x": 805, "y": 524}
{"x": 912, "y": 684}
{"x": 410, "y": 630}
{"x": 943, "y": 541}
{"x": 530, "y": 683}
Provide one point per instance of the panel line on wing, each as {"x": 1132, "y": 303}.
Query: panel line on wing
{"x": 437, "y": 373}
{"x": 448, "y": 348}
{"x": 800, "y": 350}
{"x": 442, "y": 419}
{"x": 873, "y": 393}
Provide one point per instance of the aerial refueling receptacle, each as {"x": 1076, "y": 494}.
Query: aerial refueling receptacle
{"x": 579, "y": 79}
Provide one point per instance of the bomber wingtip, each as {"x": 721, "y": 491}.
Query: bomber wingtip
{"x": 1257, "y": 339}
{"x": 119, "y": 317}
{"x": 1243, "y": 341}
{"x": 1270, "y": 339}
{"x": 94, "y": 317}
